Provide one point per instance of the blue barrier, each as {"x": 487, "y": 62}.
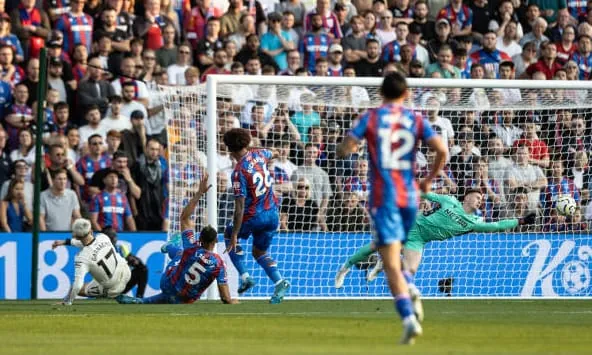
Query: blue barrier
{"x": 482, "y": 265}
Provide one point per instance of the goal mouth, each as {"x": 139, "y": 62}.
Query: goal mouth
{"x": 490, "y": 119}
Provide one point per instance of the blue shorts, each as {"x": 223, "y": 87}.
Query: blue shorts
{"x": 392, "y": 224}
{"x": 263, "y": 227}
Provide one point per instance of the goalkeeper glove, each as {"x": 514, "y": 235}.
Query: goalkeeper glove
{"x": 529, "y": 218}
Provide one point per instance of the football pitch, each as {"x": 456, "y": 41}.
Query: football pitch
{"x": 294, "y": 327}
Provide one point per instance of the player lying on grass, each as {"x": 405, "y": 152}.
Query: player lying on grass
{"x": 256, "y": 211}
{"x": 193, "y": 267}
{"x": 392, "y": 133}
{"x": 448, "y": 218}
{"x": 109, "y": 270}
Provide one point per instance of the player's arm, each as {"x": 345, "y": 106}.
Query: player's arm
{"x": 504, "y": 224}
{"x": 274, "y": 152}
{"x": 224, "y": 292}
{"x": 188, "y": 210}
{"x": 437, "y": 145}
{"x": 73, "y": 242}
{"x": 348, "y": 146}
{"x": 239, "y": 185}
{"x": 80, "y": 271}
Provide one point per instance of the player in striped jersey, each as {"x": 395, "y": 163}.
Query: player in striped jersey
{"x": 193, "y": 267}
{"x": 392, "y": 133}
{"x": 256, "y": 211}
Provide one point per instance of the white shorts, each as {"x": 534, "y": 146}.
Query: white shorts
{"x": 115, "y": 287}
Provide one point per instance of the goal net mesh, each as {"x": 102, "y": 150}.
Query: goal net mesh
{"x": 522, "y": 147}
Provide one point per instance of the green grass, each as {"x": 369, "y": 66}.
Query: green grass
{"x": 294, "y": 327}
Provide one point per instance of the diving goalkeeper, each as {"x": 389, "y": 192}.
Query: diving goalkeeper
{"x": 449, "y": 218}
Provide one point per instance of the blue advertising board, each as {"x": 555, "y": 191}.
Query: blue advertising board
{"x": 480, "y": 265}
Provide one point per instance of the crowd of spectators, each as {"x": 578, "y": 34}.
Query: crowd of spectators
{"x": 105, "y": 136}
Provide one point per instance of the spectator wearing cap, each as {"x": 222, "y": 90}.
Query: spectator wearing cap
{"x": 21, "y": 171}
{"x": 54, "y": 50}
{"x": 489, "y": 56}
{"x": 547, "y": 63}
{"x": 133, "y": 140}
{"x": 55, "y": 81}
{"x": 92, "y": 162}
{"x": 276, "y": 42}
{"x": 583, "y": 57}
{"x": 92, "y": 126}
{"x": 31, "y": 25}
{"x": 152, "y": 178}
{"x": 354, "y": 44}
{"x": 328, "y": 19}
{"x": 7, "y": 37}
{"x": 442, "y": 37}
{"x": 76, "y": 26}
{"x": 385, "y": 32}
{"x": 416, "y": 69}
{"x": 93, "y": 90}
{"x": 111, "y": 207}
{"x": 230, "y": 21}
{"x": 149, "y": 25}
{"x": 460, "y": 17}
{"x": 9, "y": 71}
{"x": 335, "y": 60}
{"x": 195, "y": 21}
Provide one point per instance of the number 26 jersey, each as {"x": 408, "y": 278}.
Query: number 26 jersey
{"x": 392, "y": 133}
{"x": 252, "y": 180}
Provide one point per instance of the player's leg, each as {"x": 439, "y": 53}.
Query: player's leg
{"x": 142, "y": 276}
{"x": 412, "y": 250}
{"x": 92, "y": 289}
{"x": 172, "y": 247}
{"x": 237, "y": 256}
{"x": 262, "y": 239}
{"x": 360, "y": 255}
{"x": 390, "y": 233}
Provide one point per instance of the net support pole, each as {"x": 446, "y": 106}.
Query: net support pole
{"x": 211, "y": 151}
{"x": 41, "y": 93}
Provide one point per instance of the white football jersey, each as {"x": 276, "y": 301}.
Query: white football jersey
{"x": 100, "y": 259}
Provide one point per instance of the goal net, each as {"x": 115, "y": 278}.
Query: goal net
{"x": 522, "y": 143}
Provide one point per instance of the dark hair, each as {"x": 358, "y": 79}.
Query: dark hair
{"x": 110, "y": 232}
{"x": 90, "y": 108}
{"x": 119, "y": 154}
{"x": 237, "y": 139}
{"x": 60, "y": 105}
{"x": 115, "y": 99}
{"x": 208, "y": 235}
{"x": 9, "y": 194}
{"x": 508, "y": 64}
{"x": 92, "y": 136}
{"x": 236, "y": 65}
{"x": 472, "y": 190}
{"x": 54, "y": 173}
{"x": 460, "y": 52}
{"x": 393, "y": 86}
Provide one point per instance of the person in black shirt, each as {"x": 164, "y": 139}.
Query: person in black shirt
{"x": 373, "y": 64}
{"x": 299, "y": 212}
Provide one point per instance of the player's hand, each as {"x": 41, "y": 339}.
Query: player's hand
{"x": 425, "y": 185}
{"x": 529, "y": 218}
{"x": 232, "y": 245}
{"x": 57, "y": 243}
{"x": 203, "y": 184}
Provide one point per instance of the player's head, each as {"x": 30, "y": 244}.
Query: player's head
{"x": 110, "y": 232}
{"x": 473, "y": 199}
{"x": 208, "y": 236}
{"x": 237, "y": 139}
{"x": 394, "y": 86}
{"x": 81, "y": 228}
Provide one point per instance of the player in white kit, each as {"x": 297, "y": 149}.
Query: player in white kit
{"x": 109, "y": 270}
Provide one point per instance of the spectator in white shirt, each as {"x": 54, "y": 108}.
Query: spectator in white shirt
{"x": 114, "y": 119}
{"x": 176, "y": 72}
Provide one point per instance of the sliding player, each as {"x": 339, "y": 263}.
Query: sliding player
{"x": 255, "y": 211}
{"x": 109, "y": 270}
{"x": 392, "y": 133}
{"x": 194, "y": 267}
{"x": 449, "y": 218}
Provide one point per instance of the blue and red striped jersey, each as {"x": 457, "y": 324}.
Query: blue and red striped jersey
{"x": 392, "y": 132}
{"x": 463, "y": 18}
{"x": 490, "y": 60}
{"x": 195, "y": 270}
{"x": 312, "y": 47}
{"x": 76, "y": 30}
{"x": 584, "y": 63}
{"x": 252, "y": 180}
{"x": 87, "y": 167}
{"x": 391, "y": 52}
{"x": 112, "y": 209}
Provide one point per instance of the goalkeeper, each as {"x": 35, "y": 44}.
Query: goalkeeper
{"x": 449, "y": 218}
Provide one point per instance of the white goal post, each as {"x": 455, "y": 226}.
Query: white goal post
{"x": 497, "y": 129}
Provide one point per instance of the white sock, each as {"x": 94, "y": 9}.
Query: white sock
{"x": 244, "y": 276}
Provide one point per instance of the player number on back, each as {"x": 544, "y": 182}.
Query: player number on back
{"x": 394, "y": 158}
{"x": 193, "y": 275}
{"x": 103, "y": 263}
{"x": 262, "y": 181}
